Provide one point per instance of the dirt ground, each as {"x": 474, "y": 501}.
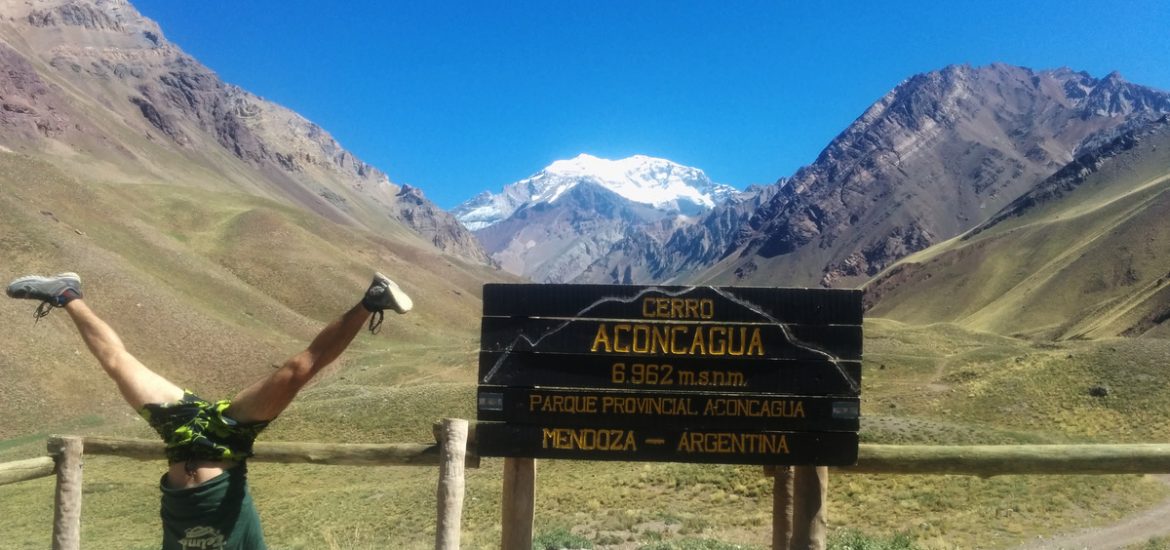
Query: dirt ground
{"x": 1133, "y": 530}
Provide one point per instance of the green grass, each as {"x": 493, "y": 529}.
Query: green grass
{"x": 854, "y": 540}
{"x": 559, "y": 539}
{"x": 1155, "y": 543}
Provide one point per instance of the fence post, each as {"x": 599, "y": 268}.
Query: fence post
{"x": 518, "y": 505}
{"x": 67, "y": 452}
{"x": 781, "y": 506}
{"x": 451, "y": 433}
{"x": 810, "y": 496}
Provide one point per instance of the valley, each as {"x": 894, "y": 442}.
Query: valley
{"x": 1007, "y": 224}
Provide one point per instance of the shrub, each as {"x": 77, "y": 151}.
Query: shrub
{"x": 854, "y": 540}
{"x": 560, "y": 539}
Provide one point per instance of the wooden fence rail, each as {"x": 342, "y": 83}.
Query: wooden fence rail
{"x": 24, "y": 470}
{"x": 996, "y": 460}
{"x": 335, "y": 454}
{"x": 975, "y": 460}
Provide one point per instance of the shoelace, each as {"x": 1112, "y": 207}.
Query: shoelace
{"x": 43, "y": 310}
{"x": 376, "y": 322}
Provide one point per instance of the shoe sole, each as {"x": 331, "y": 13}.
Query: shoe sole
{"x": 66, "y": 275}
{"x": 402, "y": 302}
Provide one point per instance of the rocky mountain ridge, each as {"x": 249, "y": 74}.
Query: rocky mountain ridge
{"x": 936, "y": 156}
{"x": 95, "y": 83}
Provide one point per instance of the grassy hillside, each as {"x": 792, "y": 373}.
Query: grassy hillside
{"x": 1088, "y": 259}
{"x": 210, "y": 289}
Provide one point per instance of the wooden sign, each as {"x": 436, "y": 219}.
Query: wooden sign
{"x": 677, "y": 370}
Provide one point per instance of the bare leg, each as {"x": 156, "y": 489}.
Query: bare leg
{"x": 138, "y": 384}
{"x": 267, "y": 398}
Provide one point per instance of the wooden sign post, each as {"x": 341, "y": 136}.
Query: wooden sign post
{"x": 676, "y": 374}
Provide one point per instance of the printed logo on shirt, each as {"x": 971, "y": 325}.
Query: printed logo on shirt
{"x": 202, "y": 537}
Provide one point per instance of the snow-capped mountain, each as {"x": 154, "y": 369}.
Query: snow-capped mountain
{"x": 659, "y": 183}
{"x": 554, "y": 224}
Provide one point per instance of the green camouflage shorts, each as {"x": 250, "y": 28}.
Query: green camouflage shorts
{"x": 197, "y": 429}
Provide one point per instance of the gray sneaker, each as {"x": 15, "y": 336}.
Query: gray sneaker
{"x": 385, "y": 294}
{"x": 55, "y": 291}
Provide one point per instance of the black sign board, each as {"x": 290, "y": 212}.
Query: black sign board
{"x": 691, "y": 374}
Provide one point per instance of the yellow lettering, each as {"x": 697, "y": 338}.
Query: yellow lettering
{"x": 678, "y": 339}
{"x": 661, "y": 340}
{"x": 677, "y": 308}
{"x": 588, "y": 439}
{"x": 728, "y": 443}
{"x": 757, "y": 344}
{"x": 617, "y": 336}
{"x": 723, "y": 443}
{"x": 777, "y": 408}
{"x": 642, "y": 343}
{"x": 731, "y": 349}
{"x": 718, "y": 345}
{"x": 675, "y": 339}
{"x": 698, "y": 343}
{"x": 602, "y": 338}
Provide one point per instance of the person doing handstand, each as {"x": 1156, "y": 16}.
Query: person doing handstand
{"x": 205, "y": 498}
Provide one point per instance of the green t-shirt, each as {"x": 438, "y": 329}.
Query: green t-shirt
{"x": 216, "y": 515}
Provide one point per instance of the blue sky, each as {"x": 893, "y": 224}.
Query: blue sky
{"x": 461, "y": 97}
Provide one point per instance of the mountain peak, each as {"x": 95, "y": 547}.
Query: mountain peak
{"x": 659, "y": 183}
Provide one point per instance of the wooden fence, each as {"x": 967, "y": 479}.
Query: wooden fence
{"x": 453, "y": 451}
{"x": 799, "y": 510}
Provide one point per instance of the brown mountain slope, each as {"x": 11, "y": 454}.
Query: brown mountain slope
{"x": 96, "y": 88}
{"x": 1084, "y": 255}
{"x": 209, "y": 288}
{"x": 933, "y": 158}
